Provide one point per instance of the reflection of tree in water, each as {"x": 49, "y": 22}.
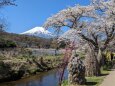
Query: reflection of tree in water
{"x": 40, "y": 81}
{"x": 49, "y": 78}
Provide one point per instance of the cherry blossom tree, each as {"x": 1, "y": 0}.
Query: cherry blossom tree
{"x": 94, "y": 25}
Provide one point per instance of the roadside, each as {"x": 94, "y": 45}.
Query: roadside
{"x": 110, "y": 79}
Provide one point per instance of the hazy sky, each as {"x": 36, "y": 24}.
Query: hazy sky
{"x": 31, "y": 13}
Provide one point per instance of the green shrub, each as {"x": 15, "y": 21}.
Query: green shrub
{"x": 108, "y": 65}
{"x": 7, "y": 43}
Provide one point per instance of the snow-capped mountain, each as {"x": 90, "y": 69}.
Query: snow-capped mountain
{"x": 39, "y": 32}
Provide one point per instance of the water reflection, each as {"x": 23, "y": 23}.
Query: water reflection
{"x": 45, "y": 79}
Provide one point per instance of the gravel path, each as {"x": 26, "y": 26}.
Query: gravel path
{"x": 110, "y": 79}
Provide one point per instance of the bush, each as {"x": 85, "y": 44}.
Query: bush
{"x": 10, "y": 44}
{"x": 7, "y": 43}
{"x": 108, "y": 65}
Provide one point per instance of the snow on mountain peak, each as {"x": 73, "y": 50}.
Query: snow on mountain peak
{"x": 40, "y": 32}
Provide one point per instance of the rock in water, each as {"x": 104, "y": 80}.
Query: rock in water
{"x": 76, "y": 70}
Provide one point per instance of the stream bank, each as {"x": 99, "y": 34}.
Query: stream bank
{"x": 17, "y": 64}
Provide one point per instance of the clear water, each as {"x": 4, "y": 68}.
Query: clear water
{"x": 50, "y": 78}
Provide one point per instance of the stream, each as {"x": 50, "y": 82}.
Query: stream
{"x": 50, "y": 78}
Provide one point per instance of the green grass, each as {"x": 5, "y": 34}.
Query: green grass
{"x": 104, "y": 72}
{"x": 96, "y": 81}
{"x": 51, "y": 57}
{"x": 92, "y": 81}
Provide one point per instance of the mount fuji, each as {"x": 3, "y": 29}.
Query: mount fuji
{"x": 39, "y": 32}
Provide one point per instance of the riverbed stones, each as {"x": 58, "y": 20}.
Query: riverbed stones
{"x": 76, "y": 70}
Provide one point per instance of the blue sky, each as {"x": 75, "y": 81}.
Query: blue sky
{"x": 31, "y": 13}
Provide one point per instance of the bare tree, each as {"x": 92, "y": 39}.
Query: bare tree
{"x": 2, "y": 20}
{"x": 6, "y": 2}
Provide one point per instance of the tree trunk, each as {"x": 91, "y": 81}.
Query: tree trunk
{"x": 91, "y": 63}
{"x": 76, "y": 72}
{"x": 101, "y": 58}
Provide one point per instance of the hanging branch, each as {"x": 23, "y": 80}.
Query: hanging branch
{"x": 67, "y": 55}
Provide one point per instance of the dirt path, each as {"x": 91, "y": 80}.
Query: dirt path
{"x": 110, "y": 79}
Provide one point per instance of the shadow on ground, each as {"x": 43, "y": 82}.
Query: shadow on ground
{"x": 91, "y": 83}
{"x": 104, "y": 74}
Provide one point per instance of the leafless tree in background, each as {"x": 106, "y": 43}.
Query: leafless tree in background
{"x": 2, "y": 20}
{"x": 6, "y": 2}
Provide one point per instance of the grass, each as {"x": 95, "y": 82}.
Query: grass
{"x": 92, "y": 81}
{"x": 65, "y": 83}
{"x": 51, "y": 57}
{"x": 96, "y": 81}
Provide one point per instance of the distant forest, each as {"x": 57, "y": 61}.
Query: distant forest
{"x": 16, "y": 40}
{"x": 11, "y": 40}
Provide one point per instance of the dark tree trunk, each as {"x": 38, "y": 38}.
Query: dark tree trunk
{"x": 101, "y": 57}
